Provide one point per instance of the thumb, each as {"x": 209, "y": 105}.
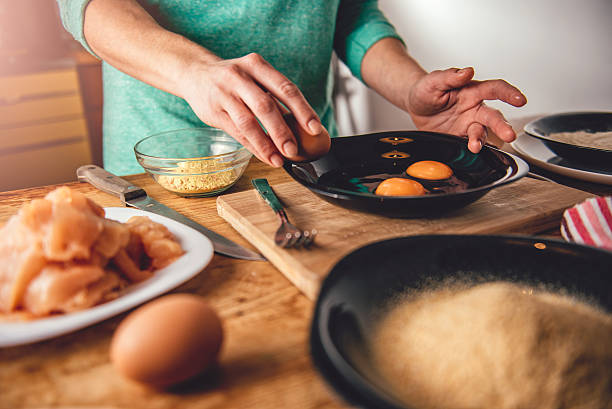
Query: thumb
{"x": 455, "y": 78}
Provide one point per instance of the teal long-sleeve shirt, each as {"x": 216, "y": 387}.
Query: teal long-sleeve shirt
{"x": 296, "y": 36}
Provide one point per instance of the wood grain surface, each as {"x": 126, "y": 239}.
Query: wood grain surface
{"x": 527, "y": 206}
{"x": 265, "y": 359}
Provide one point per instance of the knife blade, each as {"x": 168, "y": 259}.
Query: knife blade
{"x": 135, "y": 196}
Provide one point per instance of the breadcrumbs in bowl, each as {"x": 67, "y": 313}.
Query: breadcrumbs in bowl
{"x": 193, "y": 162}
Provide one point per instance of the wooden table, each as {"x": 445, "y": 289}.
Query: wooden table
{"x": 264, "y": 363}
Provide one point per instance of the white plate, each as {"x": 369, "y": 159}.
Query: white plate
{"x": 198, "y": 253}
{"x": 534, "y": 151}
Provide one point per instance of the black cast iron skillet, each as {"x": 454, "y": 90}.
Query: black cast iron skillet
{"x": 348, "y": 175}
{"x": 573, "y": 122}
{"x": 361, "y": 284}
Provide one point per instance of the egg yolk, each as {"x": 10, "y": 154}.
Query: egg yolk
{"x": 430, "y": 170}
{"x": 400, "y": 187}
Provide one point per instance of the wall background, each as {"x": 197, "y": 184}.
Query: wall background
{"x": 558, "y": 52}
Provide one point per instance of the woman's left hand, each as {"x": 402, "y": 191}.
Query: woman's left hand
{"x": 450, "y": 101}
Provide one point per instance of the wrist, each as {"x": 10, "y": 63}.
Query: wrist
{"x": 412, "y": 81}
{"x": 191, "y": 65}
{"x": 388, "y": 69}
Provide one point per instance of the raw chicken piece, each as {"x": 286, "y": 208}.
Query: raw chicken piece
{"x": 61, "y": 227}
{"x": 151, "y": 246}
{"x": 21, "y": 258}
{"x": 67, "y": 223}
{"x": 159, "y": 244}
{"x": 113, "y": 237}
{"x": 57, "y": 285}
{"x": 60, "y": 254}
{"x": 129, "y": 268}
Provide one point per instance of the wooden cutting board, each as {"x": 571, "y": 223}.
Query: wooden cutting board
{"x": 527, "y": 206}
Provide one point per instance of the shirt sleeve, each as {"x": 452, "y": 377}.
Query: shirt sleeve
{"x": 359, "y": 25}
{"x": 72, "y": 13}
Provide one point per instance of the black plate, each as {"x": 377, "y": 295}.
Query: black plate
{"x": 365, "y": 280}
{"x": 572, "y": 122}
{"x": 354, "y": 166}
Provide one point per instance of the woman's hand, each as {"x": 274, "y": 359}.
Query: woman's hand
{"x": 451, "y": 101}
{"x": 447, "y": 101}
{"x": 237, "y": 95}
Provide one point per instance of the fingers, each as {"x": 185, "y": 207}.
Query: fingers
{"x": 259, "y": 86}
{"x": 494, "y": 119}
{"x": 454, "y": 78}
{"x": 451, "y": 78}
{"x": 245, "y": 127}
{"x": 450, "y": 99}
{"x": 227, "y": 124}
{"x": 500, "y": 89}
{"x": 241, "y": 96}
{"x": 477, "y": 135}
{"x": 283, "y": 89}
{"x": 229, "y": 127}
{"x": 250, "y": 107}
{"x": 265, "y": 109}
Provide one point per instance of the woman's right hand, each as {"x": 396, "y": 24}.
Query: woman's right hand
{"x": 229, "y": 94}
{"x": 237, "y": 95}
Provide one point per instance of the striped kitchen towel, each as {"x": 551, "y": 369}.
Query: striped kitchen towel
{"x": 589, "y": 222}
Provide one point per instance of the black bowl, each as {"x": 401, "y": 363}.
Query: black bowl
{"x": 348, "y": 175}
{"x": 573, "y": 122}
{"x": 363, "y": 282}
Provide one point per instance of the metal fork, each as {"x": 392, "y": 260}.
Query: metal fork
{"x": 287, "y": 234}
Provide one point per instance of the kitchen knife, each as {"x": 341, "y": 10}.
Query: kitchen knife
{"x": 135, "y": 196}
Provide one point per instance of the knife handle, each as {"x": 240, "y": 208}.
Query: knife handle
{"x": 266, "y": 192}
{"x": 109, "y": 183}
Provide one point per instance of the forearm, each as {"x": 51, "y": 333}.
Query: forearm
{"x": 386, "y": 65}
{"x": 125, "y": 35}
{"x": 238, "y": 95}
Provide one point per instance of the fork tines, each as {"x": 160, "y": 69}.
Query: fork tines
{"x": 307, "y": 237}
{"x": 299, "y": 239}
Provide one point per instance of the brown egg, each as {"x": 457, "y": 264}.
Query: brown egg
{"x": 399, "y": 187}
{"x": 310, "y": 147}
{"x": 167, "y": 340}
{"x": 429, "y": 169}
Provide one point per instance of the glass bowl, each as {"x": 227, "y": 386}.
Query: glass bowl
{"x": 193, "y": 162}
